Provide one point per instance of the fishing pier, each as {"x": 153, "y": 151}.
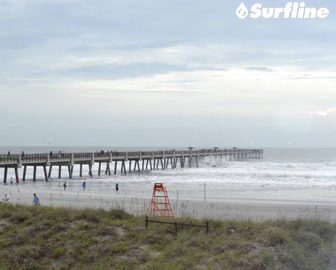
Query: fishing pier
{"x": 136, "y": 161}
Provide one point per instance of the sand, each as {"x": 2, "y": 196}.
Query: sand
{"x": 230, "y": 208}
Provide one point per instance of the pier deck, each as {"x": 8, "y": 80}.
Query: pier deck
{"x": 150, "y": 160}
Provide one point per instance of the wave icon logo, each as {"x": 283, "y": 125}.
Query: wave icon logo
{"x": 242, "y": 11}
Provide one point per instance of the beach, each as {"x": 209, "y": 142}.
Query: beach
{"x": 225, "y": 209}
{"x": 286, "y": 185}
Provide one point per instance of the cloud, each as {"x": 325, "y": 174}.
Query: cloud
{"x": 262, "y": 69}
{"x": 127, "y": 58}
{"x": 326, "y": 112}
{"x": 122, "y": 70}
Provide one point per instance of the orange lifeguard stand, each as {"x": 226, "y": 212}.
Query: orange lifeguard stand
{"x": 160, "y": 204}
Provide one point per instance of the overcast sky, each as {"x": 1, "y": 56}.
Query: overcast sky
{"x": 164, "y": 73}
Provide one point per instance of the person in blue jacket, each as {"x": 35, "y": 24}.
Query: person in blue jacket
{"x": 84, "y": 185}
{"x": 36, "y": 200}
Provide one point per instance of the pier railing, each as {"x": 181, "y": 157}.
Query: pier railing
{"x": 150, "y": 160}
{"x": 18, "y": 159}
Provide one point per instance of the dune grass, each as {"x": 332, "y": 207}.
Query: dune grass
{"x": 61, "y": 238}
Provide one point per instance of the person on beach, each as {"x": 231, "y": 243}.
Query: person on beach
{"x": 64, "y": 185}
{"x": 117, "y": 186}
{"x": 84, "y": 185}
{"x": 36, "y": 200}
{"x": 6, "y": 198}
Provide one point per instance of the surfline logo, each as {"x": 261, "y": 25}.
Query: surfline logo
{"x": 292, "y": 10}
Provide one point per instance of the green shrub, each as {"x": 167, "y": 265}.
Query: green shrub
{"x": 309, "y": 240}
{"x": 64, "y": 238}
{"x": 58, "y": 252}
{"x": 266, "y": 258}
{"x": 119, "y": 214}
{"x": 275, "y": 236}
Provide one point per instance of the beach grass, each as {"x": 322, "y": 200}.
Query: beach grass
{"x": 36, "y": 237}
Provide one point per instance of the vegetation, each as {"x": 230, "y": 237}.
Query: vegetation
{"x": 60, "y": 238}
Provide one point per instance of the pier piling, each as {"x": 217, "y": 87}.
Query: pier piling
{"x": 5, "y": 174}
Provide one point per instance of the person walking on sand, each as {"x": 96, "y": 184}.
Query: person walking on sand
{"x": 117, "y": 186}
{"x": 36, "y": 200}
{"x": 64, "y": 185}
{"x": 84, "y": 185}
{"x": 6, "y": 198}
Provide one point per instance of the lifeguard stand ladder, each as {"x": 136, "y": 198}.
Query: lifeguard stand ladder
{"x": 160, "y": 204}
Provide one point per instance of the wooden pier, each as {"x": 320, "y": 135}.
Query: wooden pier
{"x": 134, "y": 161}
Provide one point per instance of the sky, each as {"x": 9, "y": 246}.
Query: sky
{"x": 164, "y": 73}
